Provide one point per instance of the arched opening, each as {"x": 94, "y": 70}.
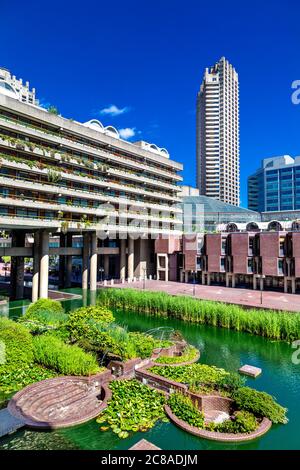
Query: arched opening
{"x": 275, "y": 226}
{"x": 112, "y": 131}
{"x": 231, "y": 227}
{"x": 296, "y": 226}
{"x": 252, "y": 227}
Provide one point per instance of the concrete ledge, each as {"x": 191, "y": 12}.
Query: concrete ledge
{"x": 251, "y": 371}
{"x": 263, "y": 427}
{"x": 9, "y": 423}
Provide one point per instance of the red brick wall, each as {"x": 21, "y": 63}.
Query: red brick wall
{"x": 240, "y": 264}
{"x": 167, "y": 245}
{"x": 189, "y": 244}
{"x": 239, "y": 244}
{"x": 269, "y": 244}
{"x": 213, "y": 244}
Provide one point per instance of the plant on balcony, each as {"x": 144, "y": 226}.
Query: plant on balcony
{"x": 53, "y": 110}
{"x": 53, "y": 176}
{"x": 64, "y": 226}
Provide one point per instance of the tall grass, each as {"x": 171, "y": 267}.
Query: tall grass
{"x": 268, "y": 323}
{"x": 70, "y": 360}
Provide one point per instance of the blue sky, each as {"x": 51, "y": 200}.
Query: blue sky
{"x": 142, "y": 62}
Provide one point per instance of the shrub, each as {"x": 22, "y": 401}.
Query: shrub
{"x": 261, "y": 404}
{"x": 143, "y": 344}
{"x": 45, "y": 312}
{"x": 242, "y": 422}
{"x": 14, "y": 380}
{"x": 133, "y": 407}
{"x": 183, "y": 407}
{"x": 18, "y": 345}
{"x": 97, "y": 313}
{"x": 274, "y": 325}
{"x": 52, "y": 352}
{"x": 195, "y": 375}
{"x": 189, "y": 354}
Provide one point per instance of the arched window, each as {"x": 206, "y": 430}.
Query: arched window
{"x": 296, "y": 226}
{"x": 275, "y": 226}
{"x": 231, "y": 227}
{"x": 252, "y": 227}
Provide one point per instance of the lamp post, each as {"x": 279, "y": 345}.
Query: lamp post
{"x": 101, "y": 270}
{"x": 261, "y": 277}
{"x": 194, "y": 283}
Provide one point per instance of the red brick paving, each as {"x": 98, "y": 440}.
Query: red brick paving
{"x": 245, "y": 297}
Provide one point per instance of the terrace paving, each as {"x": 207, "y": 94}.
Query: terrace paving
{"x": 60, "y": 402}
{"x": 246, "y": 297}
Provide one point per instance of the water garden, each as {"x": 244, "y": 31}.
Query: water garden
{"x": 52, "y": 342}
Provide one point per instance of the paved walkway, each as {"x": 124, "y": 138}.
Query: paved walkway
{"x": 245, "y": 297}
{"x": 8, "y": 423}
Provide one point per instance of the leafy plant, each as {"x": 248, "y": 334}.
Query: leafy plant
{"x": 18, "y": 345}
{"x": 183, "y": 407}
{"x": 45, "y": 312}
{"x": 189, "y": 354}
{"x": 133, "y": 407}
{"x": 261, "y": 404}
{"x": 70, "y": 360}
{"x": 97, "y": 313}
{"x": 14, "y": 380}
{"x": 241, "y": 422}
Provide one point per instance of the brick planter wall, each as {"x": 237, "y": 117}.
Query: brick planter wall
{"x": 264, "y": 426}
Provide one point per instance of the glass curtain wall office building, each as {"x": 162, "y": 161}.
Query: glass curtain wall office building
{"x": 276, "y": 185}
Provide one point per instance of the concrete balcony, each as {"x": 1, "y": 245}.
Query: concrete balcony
{"x": 74, "y": 209}
{"x": 30, "y": 223}
{"x": 54, "y": 189}
{"x": 83, "y": 148}
{"x": 93, "y": 181}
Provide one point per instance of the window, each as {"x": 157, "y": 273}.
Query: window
{"x": 223, "y": 247}
{"x": 280, "y": 266}
{"x": 281, "y": 246}
{"x": 250, "y": 265}
{"x": 222, "y": 264}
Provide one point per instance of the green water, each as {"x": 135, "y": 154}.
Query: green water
{"x": 220, "y": 347}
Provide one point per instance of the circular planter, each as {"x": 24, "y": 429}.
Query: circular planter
{"x": 60, "y": 402}
{"x": 186, "y": 363}
{"x": 263, "y": 427}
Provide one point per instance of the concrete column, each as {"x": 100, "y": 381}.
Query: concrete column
{"x": 203, "y": 278}
{"x": 208, "y": 279}
{"x": 44, "y": 264}
{"x": 293, "y": 285}
{"x": 254, "y": 283}
{"x": 36, "y": 267}
{"x": 17, "y": 267}
{"x": 233, "y": 280}
{"x": 285, "y": 284}
{"x": 130, "y": 258}
{"x": 85, "y": 260}
{"x": 141, "y": 258}
{"x": 122, "y": 259}
{"x": 106, "y": 266}
{"x": 93, "y": 262}
{"x": 68, "y": 263}
{"x": 62, "y": 261}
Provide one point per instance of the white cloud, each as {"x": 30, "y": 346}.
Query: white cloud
{"x": 113, "y": 110}
{"x": 127, "y": 132}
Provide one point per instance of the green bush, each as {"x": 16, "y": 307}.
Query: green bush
{"x": 44, "y": 312}
{"x": 189, "y": 354}
{"x": 274, "y": 325}
{"x": 195, "y": 375}
{"x": 242, "y": 422}
{"x": 183, "y": 407}
{"x": 143, "y": 344}
{"x": 261, "y": 404}
{"x": 14, "y": 380}
{"x": 133, "y": 407}
{"x": 69, "y": 360}
{"x": 97, "y": 313}
{"x": 18, "y": 345}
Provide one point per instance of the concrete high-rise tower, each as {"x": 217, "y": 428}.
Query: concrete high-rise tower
{"x": 217, "y": 141}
